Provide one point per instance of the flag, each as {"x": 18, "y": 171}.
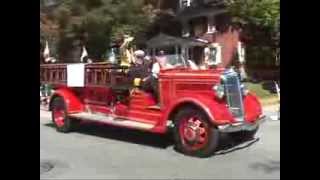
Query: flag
{"x": 84, "y": 54}
{"x": 46, "y": 52}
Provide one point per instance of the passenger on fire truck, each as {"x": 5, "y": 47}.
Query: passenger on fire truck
{"x": 138, "y": 69}
{"x": 147, "y": 76}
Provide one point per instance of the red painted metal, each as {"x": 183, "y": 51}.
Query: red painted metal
{"x": 217, "y": 112}
{"x": 72, "y": 101}
{"x": 177, "y": 88}
{"x": 172, "y": 96}
{"x": 58, "y": 117}
{"x": 193, "y": 133}
{"x": 252, "y": 107}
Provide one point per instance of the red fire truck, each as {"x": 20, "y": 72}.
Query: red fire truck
{"x": 197, "y": 105}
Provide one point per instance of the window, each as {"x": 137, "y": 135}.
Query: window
{"x": 213, "y": 54}
{"x": 174, "y": 59}
{"x": 185, "y": 3}
{"x": 211, "y": 25}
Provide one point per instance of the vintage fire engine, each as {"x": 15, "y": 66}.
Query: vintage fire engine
{"x": 197, "y": 105}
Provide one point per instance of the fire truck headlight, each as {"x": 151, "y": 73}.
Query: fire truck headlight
{"x": 219, "y": 90}
{"x": 223, "y": 78}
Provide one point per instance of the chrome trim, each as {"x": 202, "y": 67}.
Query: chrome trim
{"x": 241, "y": 126}
{"x": 234, "y": 95}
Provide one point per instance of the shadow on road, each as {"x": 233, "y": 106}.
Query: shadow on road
{"x": 226, "y": 143}
{"x": 268, "y": 167}
{"x": 123, "y": 134}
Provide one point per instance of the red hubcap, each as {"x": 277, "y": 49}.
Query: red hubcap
{"x": 193, "y": 133}
{"x": 58, "y": 117}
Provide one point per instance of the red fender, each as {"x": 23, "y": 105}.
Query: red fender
{"x": 73, "y": 103}
{"x": 252, "y": 106}
{"x": 217, "y": 112}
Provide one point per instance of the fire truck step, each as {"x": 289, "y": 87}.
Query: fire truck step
{"x": 112, "y": 120}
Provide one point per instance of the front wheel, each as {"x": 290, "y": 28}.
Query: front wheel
{"x": 193, "y": 133}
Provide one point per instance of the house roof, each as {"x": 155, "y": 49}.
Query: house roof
{"x": 198, "y": 11}
{"x": 164, "y": 40}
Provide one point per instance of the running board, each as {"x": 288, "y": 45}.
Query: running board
{"x": 112, "y": 120}
{"x": 155, "y": 107}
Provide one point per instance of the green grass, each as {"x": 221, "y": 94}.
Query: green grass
{"x": 257, "y": 89}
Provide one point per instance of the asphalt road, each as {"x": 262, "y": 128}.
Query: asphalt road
{"x": 104, "y": 152}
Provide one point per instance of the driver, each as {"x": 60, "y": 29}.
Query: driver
{"x": 152, "y": 80}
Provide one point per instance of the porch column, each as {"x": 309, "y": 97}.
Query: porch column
{"x": 190, "y": 53}
{"x": 219, "y": 54}
{"x": 185, "y": 28}
{"x": 148, "y": 52}
{"x": 241, "y": 55}
{"x": 153, "y": 51}
{"x": 211, "y": 24}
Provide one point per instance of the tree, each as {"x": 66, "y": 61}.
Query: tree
{"x": 260, "y": 20}
{"x": 96, "y": 23}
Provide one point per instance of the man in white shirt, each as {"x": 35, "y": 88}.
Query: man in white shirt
{"x": 161, "y": 63}
{"x": 152, "y": 79}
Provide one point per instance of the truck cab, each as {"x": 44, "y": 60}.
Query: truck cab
{"x": 196, "y": 105}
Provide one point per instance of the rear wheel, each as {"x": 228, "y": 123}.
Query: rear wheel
{"x": 193, "y": 133}
{"x": 60, "y": 116}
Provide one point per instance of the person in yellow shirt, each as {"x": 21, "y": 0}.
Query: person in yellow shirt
{"x": 127, "y": 55}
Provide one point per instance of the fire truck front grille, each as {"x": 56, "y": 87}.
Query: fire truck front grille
{"x": 234, "y": 96}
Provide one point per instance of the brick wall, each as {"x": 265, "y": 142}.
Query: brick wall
{"x": 229, "y": 42}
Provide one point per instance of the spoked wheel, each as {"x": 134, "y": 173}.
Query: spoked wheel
{"x": 60, "y": 117}
{"x": 193, "y": 133}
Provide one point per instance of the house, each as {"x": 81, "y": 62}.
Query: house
{"x": 206, "y": 22}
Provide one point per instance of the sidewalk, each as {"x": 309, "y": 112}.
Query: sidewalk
{"x": 273, "y": 107}
{"x": 270, "y": 103}
{"x": 272, "y": 112}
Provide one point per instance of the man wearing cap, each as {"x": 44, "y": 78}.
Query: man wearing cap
{"x": 138, "y": 69}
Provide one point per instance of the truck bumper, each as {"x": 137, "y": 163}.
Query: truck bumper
{"x": 242, "y": 126}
